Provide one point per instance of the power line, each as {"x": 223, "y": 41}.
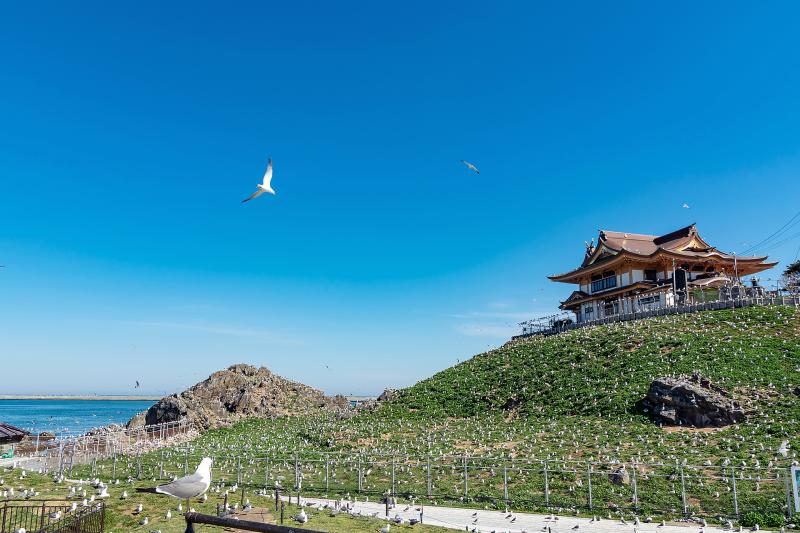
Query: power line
{"x": 783, "y": 228}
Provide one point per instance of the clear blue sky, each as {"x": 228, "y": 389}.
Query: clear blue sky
{"x": 131, "y": 133}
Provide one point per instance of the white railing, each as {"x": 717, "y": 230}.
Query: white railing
{"x": 551, "y": 326}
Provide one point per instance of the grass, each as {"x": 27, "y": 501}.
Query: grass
{"x": 567, "y": 400}
{"x": 120, "y": 517}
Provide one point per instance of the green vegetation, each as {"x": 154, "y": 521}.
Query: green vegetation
{"x": 563, "y": 403}
{"x": 120, "y": 515}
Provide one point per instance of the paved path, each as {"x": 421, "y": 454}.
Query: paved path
{"x": 489, "y": 521}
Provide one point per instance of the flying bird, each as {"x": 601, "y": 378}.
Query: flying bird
{"x": 685, "y": 206}
{"x": 186, "y": 487}
{"x": 471, "y": 166}
{"x": 265, "y": 186}
{"x": 137, "y": 385}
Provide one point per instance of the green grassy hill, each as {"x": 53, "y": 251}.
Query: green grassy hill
{"x": 564, "y": 404}
{"x": 602, "y": 371}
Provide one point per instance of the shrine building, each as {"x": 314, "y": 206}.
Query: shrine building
{"x": 630, "y": 272}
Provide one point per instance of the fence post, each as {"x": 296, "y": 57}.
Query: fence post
{"x": 161, "y": 465}
{"x": 683, "y": 492}
{"x": 139, "y": 466}
{"x": 114, "y": 464}
{"x": 466, "y": 476}
{"x": 546, "y": 487}
{"x": 394, "y": 488}
{"x": 735, "y": 494}
{"x": 61, "y": 459}
{"x": 266, "y": 471}
{"x": 589, "y": 478}
{"x": 239, "y": 470}
{"x": 789, "y": 509}
{"x": 327, "y": 474}
{"x": 360, "y": 478}
{"x": 296, "y": 472}
{"x": 505, "y": 484}
{"x": 635, "y": 486}
{"x": 430, "y": 485}
{"x": 186, "y": 462}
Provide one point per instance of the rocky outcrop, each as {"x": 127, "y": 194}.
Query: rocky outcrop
{"x": 690, "y": 401}
{"x": 387, "y": 395}
{"x": 242, "y": 391}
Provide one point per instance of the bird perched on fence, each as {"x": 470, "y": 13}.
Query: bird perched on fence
{"x": 186, "y": 487}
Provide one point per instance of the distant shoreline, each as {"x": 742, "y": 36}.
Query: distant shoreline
{"x": 126, "y": 398}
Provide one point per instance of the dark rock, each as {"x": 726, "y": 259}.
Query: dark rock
{"x": 619, "y": 476}
{"x": 241, "y": 391}
{"x": 388, "y": 395}
{"x": 690, "y": 401}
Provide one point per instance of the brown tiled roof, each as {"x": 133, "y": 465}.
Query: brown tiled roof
{"x": 618, "y": 244}
{"x": 9, "y": 432}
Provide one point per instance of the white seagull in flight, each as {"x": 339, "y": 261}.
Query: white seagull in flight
{"x": 471, "y": 166}
{"x": 685, "y": 206}
{"x": 263, "y": 187}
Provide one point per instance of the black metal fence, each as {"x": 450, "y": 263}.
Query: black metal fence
{"x": 51, "y": 516}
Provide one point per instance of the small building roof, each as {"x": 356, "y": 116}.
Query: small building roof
{"x": 9, "y": 433}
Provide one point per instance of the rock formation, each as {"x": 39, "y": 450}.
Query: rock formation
{"x": 690, "y": 401}
{"x": 240, "y": 391}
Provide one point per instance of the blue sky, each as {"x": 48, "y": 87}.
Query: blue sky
{"x": 131, "y": 133}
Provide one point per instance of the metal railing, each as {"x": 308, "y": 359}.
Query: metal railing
{"x": 50, "y": 516}
{"x": 522, "y": 483}
{"x": 549, "y": 326}
{"x": 233, "y": 523}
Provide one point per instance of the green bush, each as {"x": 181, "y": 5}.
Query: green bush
{"x": 771, "y": 520}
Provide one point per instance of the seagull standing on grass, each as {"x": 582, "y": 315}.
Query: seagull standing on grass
{"x": 471, "y": 166}
{"x": 265, "y": 186}
{"x": 784, "y": 448}
{"x": 187, "y": 487}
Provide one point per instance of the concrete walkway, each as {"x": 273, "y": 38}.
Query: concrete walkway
{"x": 496, "y": 521}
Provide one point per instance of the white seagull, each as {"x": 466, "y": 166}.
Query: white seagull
{"x": 471, "y": 166}
{"x": 265, "y": 186}
{"x": 189, "y": 486}
{"x": 784, "y": 448}
{"x": 685, "y": 206}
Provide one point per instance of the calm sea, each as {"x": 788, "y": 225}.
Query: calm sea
{"x": 69, "y": 416}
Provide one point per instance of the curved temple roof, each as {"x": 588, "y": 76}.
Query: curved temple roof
{"x": 684, "y": 243}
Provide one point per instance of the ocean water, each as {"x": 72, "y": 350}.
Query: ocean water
{"x": 69, "y": 416}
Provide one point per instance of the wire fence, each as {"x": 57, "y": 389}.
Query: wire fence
{"x": 59, "y": 455}
{"x": 524, "y": 484}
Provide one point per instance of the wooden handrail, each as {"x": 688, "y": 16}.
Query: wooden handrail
{"x": 197, "y": 518}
